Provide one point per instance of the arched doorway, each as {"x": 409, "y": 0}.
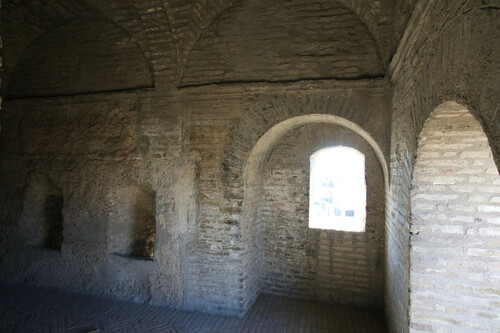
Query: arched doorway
{"x": 455, "y": 205}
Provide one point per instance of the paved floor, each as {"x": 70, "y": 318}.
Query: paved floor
{"x": 46, "y": 310}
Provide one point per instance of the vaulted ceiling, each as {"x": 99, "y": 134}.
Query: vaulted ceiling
{"x": 244, "y": 39}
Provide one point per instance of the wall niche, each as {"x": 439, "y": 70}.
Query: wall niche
{"x": 42, "y": 218}
{"x": 53, "y": 221}
{"x": 132, "y": 227}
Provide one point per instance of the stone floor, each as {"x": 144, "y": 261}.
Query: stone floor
{"x": 46, "y": 310}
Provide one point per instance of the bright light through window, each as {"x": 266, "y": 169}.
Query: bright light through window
{"x": 337, "y": 193}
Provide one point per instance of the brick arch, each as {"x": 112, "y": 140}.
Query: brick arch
{"x": 264, "y": 145}
{"x": 204, "y": 13}
{"x": 255, "y": 123}
{"x": 250, "y": 193}
{"x": 214, "y": 55}
{"x": 107, "y": 59}
{"x": 24, "y": 21}
{"x": 455, "y": 206}
{"x": 220, "y": 197}
{"x": 475, "y": 110}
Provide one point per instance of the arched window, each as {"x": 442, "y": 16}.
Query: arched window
{"x": 337, "y": 192}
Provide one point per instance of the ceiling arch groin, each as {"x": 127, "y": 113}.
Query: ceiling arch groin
{"x": 85, "y": 55}
{"x": 302, "y": 40}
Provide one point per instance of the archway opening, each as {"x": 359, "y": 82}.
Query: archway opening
{"x": 455, "y": 204}
{"x": 275, "y": 219}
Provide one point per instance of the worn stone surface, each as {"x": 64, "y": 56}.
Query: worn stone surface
{"x": 199, "y": 254}
{"x": 193, "y": 146}
{"x": 168, "y": 30}
{"x": 25, "y": 309}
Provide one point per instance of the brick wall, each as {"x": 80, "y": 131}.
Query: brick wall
{"x": 190, "y": 145}
{"x": 329, "y": 265}
{"x": 439, "y": 48}
{"x": 92, "y": 155}
{"x": 23, "y": 21}
{"x": 401, "y": 12}
{"x": 268, "y": 109}
{"x": 276, "y": 41}
{"x": 454, "y": 270}
{"x": 87, "y": 55}
{"x": 222, "y": 124}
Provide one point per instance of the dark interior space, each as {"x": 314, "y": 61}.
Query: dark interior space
{"x": 165, "y": 167}
{"x": 54, "y": 222}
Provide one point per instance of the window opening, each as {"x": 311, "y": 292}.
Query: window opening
{"x": 337, "y": 192}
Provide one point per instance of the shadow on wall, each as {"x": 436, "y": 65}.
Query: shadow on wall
{"x": 75, "y": 57}
{"x": 42, "y": 218}
{"x": 132, "y": 226}
{"x": 53, "y": 221}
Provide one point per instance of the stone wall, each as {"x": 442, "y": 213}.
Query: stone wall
{"x": 23, "y": 21}
{"x": 344, "y": 267}
{"x": 90, "y": 159}
{"x": 185, "y": 153}
{"x": 186, "y": 150}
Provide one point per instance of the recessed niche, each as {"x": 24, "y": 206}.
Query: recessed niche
{"x": 42, "y": 219}
{"x": 132, "y": 229}
{"x": 53, "y": 221}
{"x": 144, "y": 230}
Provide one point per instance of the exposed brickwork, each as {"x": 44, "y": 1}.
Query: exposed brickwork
{"x": 190, "y": 146}
{"x": 327, "y": 99}
{"x": 91, "y": 155}
{"x": 165, "y": 30}
{"x": 311, "y": 263}
{"x": 455, "y": 212}
{"x": 401, "y": 12}
{"x": 250, "y": 42}
{"x": 397, "y": 235}
{"x": 23, "y": 21}
{"x": 74, "y": 59}
{"x": 220, "y": 268}
{"x": 374, "y": 15}
{"x": 132, "y": 222}
{"x": 441, "y": 50}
